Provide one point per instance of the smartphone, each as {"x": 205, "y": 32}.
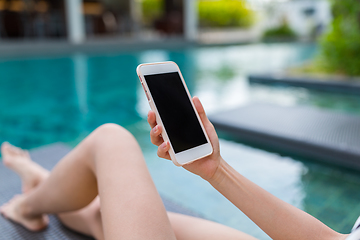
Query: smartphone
{"x": 170, "y": 99}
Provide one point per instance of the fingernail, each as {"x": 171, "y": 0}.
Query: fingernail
{"x": 164, "y": 145}
{"x": 155, "y": 129}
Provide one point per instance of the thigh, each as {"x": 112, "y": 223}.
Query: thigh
{"x": 109, "y": 163}
{"x": 131, "y": 207}
{"x": 192, "y": 228}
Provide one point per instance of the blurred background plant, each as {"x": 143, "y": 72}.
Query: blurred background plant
{"x": 151, "y": 10}
{"x": 218, "y": 13}
{"x": 225, "y": 13}
{"x": 340, "y": 46}
{"x": 280, "y": 33}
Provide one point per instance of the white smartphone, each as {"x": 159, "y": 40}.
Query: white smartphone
{"x": 170, "y": 99}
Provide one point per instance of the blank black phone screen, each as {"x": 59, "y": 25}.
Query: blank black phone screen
{"x": 176, "y": 111}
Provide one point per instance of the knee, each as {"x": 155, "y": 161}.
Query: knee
{"x": 112, "y": 132}
{"x": 111, "y": 129}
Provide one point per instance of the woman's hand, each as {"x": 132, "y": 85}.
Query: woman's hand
{"x": 205, "y": 167}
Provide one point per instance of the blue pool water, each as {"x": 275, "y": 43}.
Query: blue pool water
{"x": 62, "y": 98}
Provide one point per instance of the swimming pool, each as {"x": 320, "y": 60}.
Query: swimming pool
{"x": 63, "y": 98}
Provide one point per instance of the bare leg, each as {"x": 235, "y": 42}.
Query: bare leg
{"x": 185, "y": 227}
{"x": 31, "y": 175}
{"x": 108, "y": 160}
{"x": 19, "y": 161}
{"x": 192, "y": 228}
{"x": 88, "y": 219}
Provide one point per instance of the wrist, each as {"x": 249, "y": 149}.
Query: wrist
{"x": 220, "y": 172}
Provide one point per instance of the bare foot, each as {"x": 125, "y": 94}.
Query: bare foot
{"x": 19, "y": 161}
{"x": 15, "y": 210}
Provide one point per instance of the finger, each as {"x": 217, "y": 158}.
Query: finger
{"x": 151, "y": 119}
{"x": 155, "y": 135}
{"x": 163, "y": 150}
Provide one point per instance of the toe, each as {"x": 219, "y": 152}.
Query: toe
{"x": 5, "y": 146}
{"x": 3, "y": 210}
{"x": 18, "y": 151}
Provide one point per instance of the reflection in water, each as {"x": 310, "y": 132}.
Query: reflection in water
{"x": 185, "y": 60}
{"x": 38, "y": 103}
{"x": 112, "y": 90}
{"x": 58, "y": 99}
{"x": 342, "y": 102}
{"x": 290, "y": 96}
{"x": 332, "y": 195}
{"x": 81, "y": 79}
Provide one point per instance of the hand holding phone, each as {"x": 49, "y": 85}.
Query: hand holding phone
{"x": 207, "y": 166}
{"x": 170, "y": 100}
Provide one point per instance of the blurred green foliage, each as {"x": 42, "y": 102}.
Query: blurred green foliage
{"x": 340, "y": 47}
{"x": 225, "y": 13}
{"x": 212, "y": 13}
{"x": 283, "y": 32}
{"x": 225, "y": 72}
{"x": 151, "y": 10}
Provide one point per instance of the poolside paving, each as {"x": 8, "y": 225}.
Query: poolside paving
{"x": 10, "y": 185}
{"x": 323, "y": 135}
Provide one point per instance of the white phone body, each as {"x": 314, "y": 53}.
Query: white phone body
{"x": 170, "y": 99}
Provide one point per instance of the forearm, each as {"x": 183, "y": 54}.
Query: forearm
{"x": 277, "y": 218}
